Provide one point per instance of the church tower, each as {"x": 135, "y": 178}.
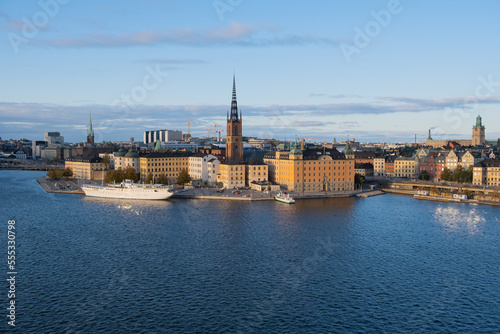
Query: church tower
{"x": 478, "y": 135}
{"x": 234, "y": 144}
{"x": 90, "y": 132}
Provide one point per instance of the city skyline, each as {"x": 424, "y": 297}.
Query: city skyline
{"x": 384, "y": 69}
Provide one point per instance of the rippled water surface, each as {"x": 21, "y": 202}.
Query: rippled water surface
{"x": 378, "y": 265}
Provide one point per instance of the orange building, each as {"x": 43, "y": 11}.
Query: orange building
{"x": 312, "y": 170}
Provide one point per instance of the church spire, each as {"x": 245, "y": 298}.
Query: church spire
{"x": 90, "y": 131}
{"x": 234, "y": 104}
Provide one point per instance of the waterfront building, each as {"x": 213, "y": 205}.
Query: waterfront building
{"x": 169, "y": 164}
{"x": 379, "y": 166}
{"x": 233, "y": 170}
{"x": 405, "y": 167}
{"x": 204, "y": 167}
{"x": 256, "y": 173}
{"x": 312, "y": 170}
{"x": 53, "y": 138}
{"x": 478, "y": 132}
{"x": 231, "y": 175}
{"x": 389, "y": 166}
{"x": 452, "y": 159}
{"x": 87, "y": 168}
{"x": 486, "y": 173}
{"x": 36, "y": 148}
{"x": 52, "y": 152}
{"x": 123, "y": 160}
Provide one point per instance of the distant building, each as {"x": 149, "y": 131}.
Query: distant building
{"x": 36, "y": 148}
{"x": 256, "y": 173}
{"x": 162, "y": 135}
{"x": 53, "y": 138}
{"x": 405, "y": 167}
{"x": 478, "y": 133}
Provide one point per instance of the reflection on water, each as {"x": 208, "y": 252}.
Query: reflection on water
{"x": 458, "y": 218}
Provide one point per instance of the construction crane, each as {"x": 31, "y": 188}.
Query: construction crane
{"x": 383, "y": 142}
{"x": 219, "y": 131}
{"x": 209, "y": 129}
{"x": 215, "y": 129}
{"x": 188, "y": 123}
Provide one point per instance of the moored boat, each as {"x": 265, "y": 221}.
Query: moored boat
{"x": 129, "y": 190}
{"x": 284, "y": 198}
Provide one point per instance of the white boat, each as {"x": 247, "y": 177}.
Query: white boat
{"x": 284, "y": 198}
{"x": 129, "y": 190}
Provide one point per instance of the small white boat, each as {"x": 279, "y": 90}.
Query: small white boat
{"x": 284, "y": 198}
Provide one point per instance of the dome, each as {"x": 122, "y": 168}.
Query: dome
{"x": 348, "y": 150}
{"x": 120, "y": 153}
{"x": 295, "y": 150}
{"x": 132, "y": 154}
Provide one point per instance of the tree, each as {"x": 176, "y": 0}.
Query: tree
{"x": 184, "y": 177}
{"x": 468, "y": 175}
{"x": 457, "y": 174}
{"x": 446, "y": 175}
{"x": 149, "y": 178}
{"x": 498, "y": 142}
{"x": 119, "y": 175}
{"x": 424, "y": 175}
{"x": 130, "y": 174}
{"x": 162, "y": 179}
{"x": 106, "y": 160}
{"x": 110, "y": 176}
{"x": 55, "y": 173}
{"x": 359, "y": 179}
{"x": 67, "y": 172}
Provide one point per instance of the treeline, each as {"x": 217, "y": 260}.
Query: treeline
{"x": 57, "y": 173}
{"x": 459, "y": 175}
{"x": 182, "y": 179}
{"x": 119, "y": 175}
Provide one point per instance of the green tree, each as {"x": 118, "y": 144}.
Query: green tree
{"x": 119, "y": 175}
{"x": 424, "y": 175}
{"x": 67, "y": 172}
{"x": 498, "y": 142}
{"x": 468, "y": 175}
{"x": 446, "y": 175}
{"x": 149, "y": 178}
{"x": 457, "y": 174}
{"x": 359, "y": 179}
{"x": 55, "y": 173}
{"x": 162, "y": 179}
{"x": 106, "y": 160}
{"x": 184, "y": 177}
{"x": 130, "y": 174}
{"x": 110, "y": 176}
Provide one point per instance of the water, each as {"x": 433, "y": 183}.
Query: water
{"x": 387, "y": 264}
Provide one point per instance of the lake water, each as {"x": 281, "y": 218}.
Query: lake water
{"x": 386, "y": 264}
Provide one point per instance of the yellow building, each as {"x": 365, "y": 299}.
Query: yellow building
{"x": 231, "y": 175}
{"x": 256, "y": 173}
{"x": 312, "y": 170}
{"x": 87, "y": 168}
{"x": 405, "y": 167}
{"x": 168, "y": 164}
{"x": 486, "y": 173}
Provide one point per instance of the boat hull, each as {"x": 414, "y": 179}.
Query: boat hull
{"x": 127, "y": 193}
{"x": 287, "y": 201}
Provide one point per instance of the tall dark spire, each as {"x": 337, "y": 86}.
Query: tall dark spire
{"x": 234, "y": 104}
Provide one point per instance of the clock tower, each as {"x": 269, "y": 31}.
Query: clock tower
{"x": 234, "y": 144}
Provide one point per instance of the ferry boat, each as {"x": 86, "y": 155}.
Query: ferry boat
{"x": 284, "y": 198}
{"x": 129, "y": 190}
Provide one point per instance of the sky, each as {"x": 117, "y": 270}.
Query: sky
{"x": 369, "y": 70}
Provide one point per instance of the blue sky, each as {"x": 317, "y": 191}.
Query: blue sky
{"x": 364, "y": 69}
